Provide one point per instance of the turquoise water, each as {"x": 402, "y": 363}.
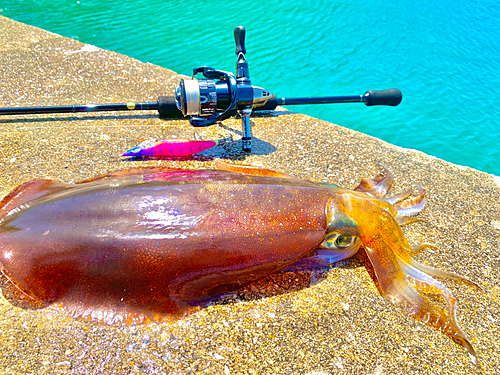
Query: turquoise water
{"x": 444, "y": 56}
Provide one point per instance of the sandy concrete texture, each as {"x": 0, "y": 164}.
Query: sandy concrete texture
{"x": 338, "y": 325}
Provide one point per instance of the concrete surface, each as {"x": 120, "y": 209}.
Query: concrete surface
{"x": 339, "y": 325}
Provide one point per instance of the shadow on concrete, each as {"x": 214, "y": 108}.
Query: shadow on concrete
{"x": 72, "y": 117}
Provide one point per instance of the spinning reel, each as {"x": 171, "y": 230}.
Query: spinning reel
{"x": 209, "y": 101}
{"x": 219, "y": 96}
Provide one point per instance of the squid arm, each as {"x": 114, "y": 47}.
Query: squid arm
{"x": 378, "y": 186}
{"x": 401, "y": 279}
{"x": 405, "y": 206}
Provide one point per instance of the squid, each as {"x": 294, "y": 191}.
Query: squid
{"x": 155, "y": 244}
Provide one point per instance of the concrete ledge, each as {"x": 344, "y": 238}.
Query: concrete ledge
{"x": 340, "y": 325}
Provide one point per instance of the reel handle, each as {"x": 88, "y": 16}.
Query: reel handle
{"x": 239, "y": 38}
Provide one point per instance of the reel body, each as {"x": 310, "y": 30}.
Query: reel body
{"x": 207, "y": 97}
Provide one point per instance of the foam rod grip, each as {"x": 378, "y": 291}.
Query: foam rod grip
{"x": 384, "y": 97}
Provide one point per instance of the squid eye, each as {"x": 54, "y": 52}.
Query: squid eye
{"x": 340, "y": 241}
{"x": 344, "y": 241}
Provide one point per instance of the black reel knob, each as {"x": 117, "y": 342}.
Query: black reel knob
{"x": 239, "y": 38}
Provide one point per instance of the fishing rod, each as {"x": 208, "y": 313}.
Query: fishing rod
{"x": 217, "y": 97}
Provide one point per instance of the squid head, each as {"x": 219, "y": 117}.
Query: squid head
{"x": 364, "y": 218}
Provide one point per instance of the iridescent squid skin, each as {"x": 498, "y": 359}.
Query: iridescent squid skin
{"x": 153, "y": 244}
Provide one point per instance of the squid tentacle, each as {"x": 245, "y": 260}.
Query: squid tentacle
{"x": 407, "y": 207}
{"x": 403, "y": 281}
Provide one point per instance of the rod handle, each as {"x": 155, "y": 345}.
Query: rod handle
{"x": 167, "y": 107}
{"x": 383, "y": 97}
{"x": 239, "y": 38}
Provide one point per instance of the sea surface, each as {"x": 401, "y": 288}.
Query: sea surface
{"x": 443, "y": 55}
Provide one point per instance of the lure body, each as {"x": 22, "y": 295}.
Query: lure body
{"x": 149, "y": 244}
{"x": 173, "y": 148}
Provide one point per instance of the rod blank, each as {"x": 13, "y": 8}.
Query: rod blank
{"x": 79, "y": 108}
{"x": 167, "y": 108}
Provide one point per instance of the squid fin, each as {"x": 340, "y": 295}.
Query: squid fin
{"x": 16, "y": 295}
{"x": 114, "y": 314}
{"x": 27, "y": 192}
{"x": 142, "y": 171}
{"x": 249, "y": 169}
